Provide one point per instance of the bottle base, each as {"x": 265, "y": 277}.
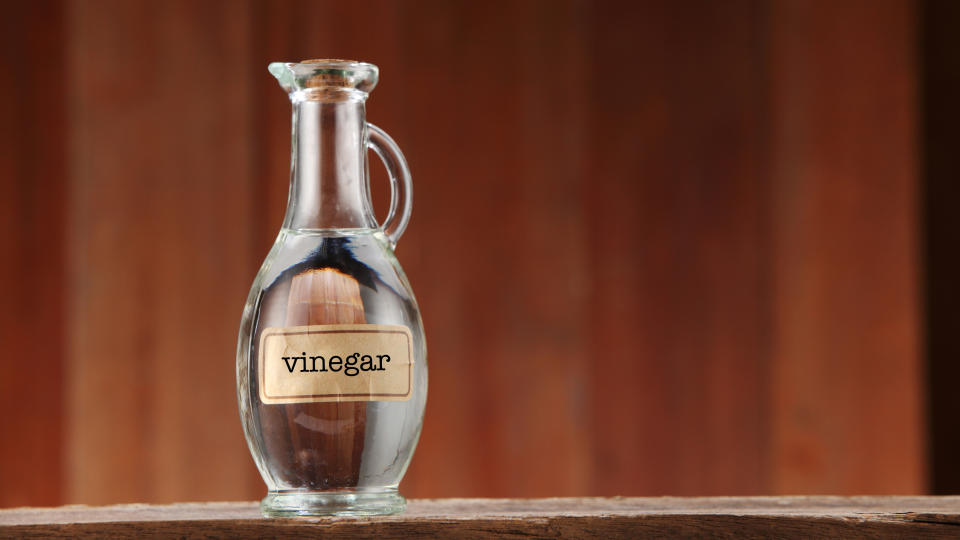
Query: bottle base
{"x": 339, "y": 503}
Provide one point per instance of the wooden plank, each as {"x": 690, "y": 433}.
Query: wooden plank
{"x": 717, "y": 517}
{"x": 547, "y": 430}
{"x": 33, "y": 167}
{"x": 940, "y": 86}
{"x": 678, "y": 249}
{"x": 457, "y": 455}
{"x": 420, "y": 87}
{"x": 846, "y": 383}
{"x": 507, "y": 406}
{"x": 161, "y": 207}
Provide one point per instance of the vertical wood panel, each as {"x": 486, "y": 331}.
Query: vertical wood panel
{"x": 161, "y": 200}
{"x": 678, "y": 249}
{"x": 486, "y": 105}
{"x": 847, "y": 374}
{"x": 940, "y": 85}
{"x": 548, "y": 340}
{"x": 32, "y": 179}
{"x": 500, "y": 233}
{"x": 454, "y": 456}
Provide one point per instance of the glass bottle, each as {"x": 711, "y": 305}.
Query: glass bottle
{"x": 331, "y": 359}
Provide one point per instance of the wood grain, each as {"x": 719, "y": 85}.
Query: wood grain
{"x": 161, "y": 202}
{"x": 941, "y": 195}
{"x": 33, "y": 180}
{"x": 678, "y": 252}
{"x": 719, "y": 517}
{"x": 846, "y": 357}
{"x": 497, "y": 239}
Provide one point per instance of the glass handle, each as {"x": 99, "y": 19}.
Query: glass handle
{"x": 401, "y": 185}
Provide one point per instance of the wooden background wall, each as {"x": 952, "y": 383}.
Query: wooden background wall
{"x": 660, "y": 247}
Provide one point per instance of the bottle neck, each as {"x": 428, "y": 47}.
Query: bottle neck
{"x": 328, "y": 180}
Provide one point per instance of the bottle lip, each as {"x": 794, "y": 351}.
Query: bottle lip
{"x": 326, "y": 77}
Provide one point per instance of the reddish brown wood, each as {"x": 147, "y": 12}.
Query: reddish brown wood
{"x": 676, "y": 198}
{"x": 33, "y": 180}
{"x": 938, "y": 88}
{"x": 496, "y": 197}
{"x": 846, "y": 387}
{"x": 440, "y": 92}
{"x": 659, "y": 248}
{"x": 161, "y": 200}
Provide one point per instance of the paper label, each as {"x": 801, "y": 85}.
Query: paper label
{"x": 336, "y": 362}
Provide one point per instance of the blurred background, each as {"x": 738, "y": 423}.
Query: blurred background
{"x": 660, "y": 248}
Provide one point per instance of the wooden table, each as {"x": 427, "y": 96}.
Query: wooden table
{"x": 619, "y": 517}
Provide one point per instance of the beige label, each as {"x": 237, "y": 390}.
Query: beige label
{"x": 336, "y": 362}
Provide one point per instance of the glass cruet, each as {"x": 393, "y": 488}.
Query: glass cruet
{"x": 331, "y": 358}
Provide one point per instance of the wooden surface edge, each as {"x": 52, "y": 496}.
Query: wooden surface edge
{"x": 746, "y": 517}
{"x": 647, "y": 526}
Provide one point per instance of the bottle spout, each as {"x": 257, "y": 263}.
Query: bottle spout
{"x": 325, "y": 79}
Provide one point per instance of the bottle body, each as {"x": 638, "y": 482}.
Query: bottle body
{"x": 336, "y": 457}
{"x": 331, "y": 358}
